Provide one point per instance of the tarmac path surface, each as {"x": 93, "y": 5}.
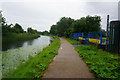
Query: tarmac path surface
{"x": 67, "y": 64}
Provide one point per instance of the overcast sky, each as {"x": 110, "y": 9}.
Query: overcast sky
{"x": 42, "y": 14}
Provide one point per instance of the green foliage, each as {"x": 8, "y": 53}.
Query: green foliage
{"x": 17, "y": 28}
{"x": 36, "y": 66}
{"x": 63, "y": 26}
{"x": 79, "y": 25}
{"x": 45, "y": 33}
{"x": 11, "y": 33}
{"x": 87, "y": 24}
{"x": 73, "y": 42}
{"x": 53, "y": 30}
{"x": 104, "y": 33}
{"x": 103, "y": 64}
{"x": 7, "y": 29}
{"x": 32, "y": 31}
{"x": 66, "y": 26}
{"x": 13, "y": 37}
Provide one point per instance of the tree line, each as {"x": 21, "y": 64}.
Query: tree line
{"x": 66, "y": 25}
{"x": 10, "y": 28}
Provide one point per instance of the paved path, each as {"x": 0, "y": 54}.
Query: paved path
{"x": 67, "y": 64}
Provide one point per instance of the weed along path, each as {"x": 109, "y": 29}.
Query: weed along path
{"x": 67, "y": 64}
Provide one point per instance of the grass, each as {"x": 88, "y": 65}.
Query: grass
{"x": 13, "y": 37}
{"x": 103, "y": 64}
{"x": 36, "y": 66}
{"x": 73, "y": 42}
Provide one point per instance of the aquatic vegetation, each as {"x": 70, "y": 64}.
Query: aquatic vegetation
{"x": 12, "y": 58}
{"x": 36, "y": 66}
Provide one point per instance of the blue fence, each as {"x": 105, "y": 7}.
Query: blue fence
{"x": 94, "y": 37}
{"x": 77, "y": 35}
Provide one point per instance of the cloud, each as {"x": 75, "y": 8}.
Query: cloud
{"x": 103, "y": 9}
{"x": 59, "y": 0}
{"x": 43, "y": 13}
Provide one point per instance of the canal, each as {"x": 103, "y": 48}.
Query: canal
{"x": 17, "y": 53}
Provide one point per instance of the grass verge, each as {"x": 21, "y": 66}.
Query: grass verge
{"x": 36, "y": 66}
{"x": 73, "y": 42}
{"x": 103, "y": 64}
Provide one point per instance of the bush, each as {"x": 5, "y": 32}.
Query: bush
{"x": 102, "y": 63}
{"x": 13, "y": 37}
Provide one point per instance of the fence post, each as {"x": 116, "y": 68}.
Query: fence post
{"x": 77, "y": 35}
{"x": 85, "y": 41}
{"x": 89, "y": 35}
{"x": 100, "y": 37}
{"x": 82, "y": 35}
{"x": 73, "y": 35}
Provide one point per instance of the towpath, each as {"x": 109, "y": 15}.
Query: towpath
{"x": 67, "y": 64}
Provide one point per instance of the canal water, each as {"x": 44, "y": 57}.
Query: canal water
{"x": 16, "y": 53}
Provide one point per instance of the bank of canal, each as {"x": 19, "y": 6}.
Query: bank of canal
{"x": 36, "y": 66}
{"x": 18, "y": 53}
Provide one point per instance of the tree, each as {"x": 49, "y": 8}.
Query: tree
{"x": 18, "y": 28}
{"x": 104, "y": 33}
{"x": 7, "y": 29}
{"x": 45, "y": 33}
{"x": 63, "y": 26}
{"x": 93, "y": 23}
{"x": 53, "y": 29}
{"x": 66, "y": 26}
{"x": 32, "y": 31}
{"x": 79, "y": 25}
{"x": 87, "y": 24}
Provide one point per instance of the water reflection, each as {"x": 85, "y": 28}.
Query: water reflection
{"x": 30, "y": 42}
{"x": 51, "y": 40}
{"x": 19, "y": 52}
{"x": 38, "y": 41}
